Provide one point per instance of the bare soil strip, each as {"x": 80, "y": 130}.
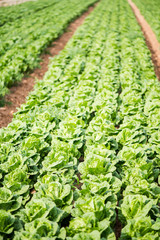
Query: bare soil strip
{"x": 118, "y": 225}
{"x": 18, "y": 93}
{"x": 151, "y": 40}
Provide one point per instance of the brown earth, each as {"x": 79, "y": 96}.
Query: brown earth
{"x": 118, "y": 225}
{"x": 18, "y": 93}
{"x": 150, "y": 37}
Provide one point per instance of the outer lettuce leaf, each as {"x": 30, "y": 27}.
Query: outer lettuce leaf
{"x": 17, "y": 181}
{"x": 137, "y": 206}
{"x": 43, "y": 207}
{"x": 7, "y": 222}
{"x": 95, "y": 164}
{"x": 8, "y": 201}
{"x": 101, "y": 184}
{"x": 41, "y": 229}
{"x": 61, "y": 194}
{"x": 62, "y": 154}
{"x": 90, "y": 227}
{"x": 141, "y": 228}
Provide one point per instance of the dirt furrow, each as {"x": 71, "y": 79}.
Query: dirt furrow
{"x": 151, "y": 40}
{"x": 18, "y": 93}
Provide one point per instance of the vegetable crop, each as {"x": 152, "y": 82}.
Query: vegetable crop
{"x": 150, "y": 11}
{"x": 83, "y": 151}
{"x": 24, "y": 38}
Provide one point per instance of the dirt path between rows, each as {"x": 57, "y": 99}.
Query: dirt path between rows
{"x": 151, "y": 40}
{"x": 19, "y": 93}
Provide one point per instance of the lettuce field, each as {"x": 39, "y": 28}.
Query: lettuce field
{"x": 81, "y": 158}
{"x": 150, "y": 10}
{"x": 26, "y": 31}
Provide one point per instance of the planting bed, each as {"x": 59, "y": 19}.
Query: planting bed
{"x": 81, "y": 159}
{"x": 18, "y": 93}
{"x": 150, "y": 11}
{"x": 25, "y": 34}
{"x": 150, "y": 37}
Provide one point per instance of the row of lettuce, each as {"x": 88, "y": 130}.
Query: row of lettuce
{"x": 138, "y": 128}
{"x": 150, "y": 11}
{"x": 24, "y": 39}
{"x": 98, "y": 101}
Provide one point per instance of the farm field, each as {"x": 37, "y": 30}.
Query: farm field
{"x": 81, "y": 158}
{"x": 150, "y": 10}
{"x": 24, "y": 38}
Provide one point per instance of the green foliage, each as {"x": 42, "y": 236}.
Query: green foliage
{"x": 98, "y": 102}
{"x": 150, "y": 11}
{"x": 27, "y": 29}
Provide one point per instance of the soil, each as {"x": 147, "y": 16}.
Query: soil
{"x": 150, "y": 37}
{"x": 18, "y": 93}
{"x": 78, "y": 185}
{"x": 118, "y": 226}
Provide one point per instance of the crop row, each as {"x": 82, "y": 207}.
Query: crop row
{"x": 23, "y": 41}
{"x": 150, "y": 11}
{"x": 98, "y": 101}
{"x": 140, "y": 192}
